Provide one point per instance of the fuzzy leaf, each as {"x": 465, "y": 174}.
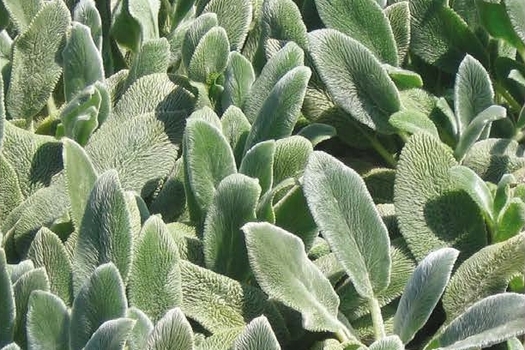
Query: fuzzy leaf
{"x": 172, "y": 332}
{"x": 413, "y": 122}
{"x": 398, "y": 15}
{"x": 80, "y": 178}
{"x": 427, "y": 200}
{"x": 30, "y": 281}
{"x": 440, "y": 37}
{"x": 86, "y": 12}
{"x": 345, "y": 213}
{"x": 105, "y": 231}
{"x": 10, "y": 194}
{"x": 288, "y": 58}
{"x": 515, "y": 10}
{"x": 82, "y": 61}
{"x": 22, "y": 12}
{"x": 153, "y": 138}
{"x": 35, "y": 70}
{"x": 345, "y": 66}
{"x": 210, "y": 57}
{"x": 285, "y": 273}
{"x": 291, "y": 156}
{"x": 111, "y": 335}
{"x": 198, "y": 28}
{"x": 487, "y": 322}
{"x": 101, "y": 298}
{"x": 388, "y": 343}
{"x": 363, "y": 21}
{"x": 155, "y": 271}
{"x": 48, "y": 251}
{"x": 423, "y": 292}
{"x": 469, "y": 181}
{"x": 280, "y": 111}
{"x": 317, "y": 133}
{"x": 485, "y": 273}
{"x": 220, "y": 303}
{"x": 152, "y": 58}
{"x": 281, "y": 20}
{"x": 235, "y": 17}
{"x": 257, "y": 334}
{"x": 476, "y": 127}
{"x": 473, "y": 92}
{"x": 138, "y": 338}
{"x": 404, "y": 78}
{"x": 47, "y": 322}
{"x": 258, "y": 164}
{"x": 11, "y": 346}
{"x": 492, "y": 158}
{"x": 238, "y": 79}
{"x": 233, "y": 205}
{"x": 7, "y": 303}
{"x": 207, "y": 160}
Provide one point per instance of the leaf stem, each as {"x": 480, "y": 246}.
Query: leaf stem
{"x": 508, "y": 97}
{"x": 383, "y": 152}
{"x": 341, "y": 336}
{"x": 377, "y": 318}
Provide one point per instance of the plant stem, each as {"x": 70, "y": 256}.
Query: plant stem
{"x": 382, "y": 150}
{"x": 377, "y": 318}
{"x": 508, "y": 97}
{"x": 341, "y": 336}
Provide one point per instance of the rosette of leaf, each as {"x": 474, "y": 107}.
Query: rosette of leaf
{"x": 84, "y": 114}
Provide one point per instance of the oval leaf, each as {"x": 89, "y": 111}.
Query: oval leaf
{"x": 256, "y": 335}
{"x": 155, "y": 271}
{"x": 345, "y": 66}
{"x": 172, "y": 332}
{"x": 47, "y": 322}
{"x": 105, "y": 232}
{"x": 344, "y": 211}
{"x": 7, "y": 303}
{"x": 111, "y": 335}
{"x": 285, "y": 273}
{"x": 101, "y": 298}
{"x": 423, "y": 292}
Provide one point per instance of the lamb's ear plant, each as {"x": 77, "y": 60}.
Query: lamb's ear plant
{"x": 262, "y": 174}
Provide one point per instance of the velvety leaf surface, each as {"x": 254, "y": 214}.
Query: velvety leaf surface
{"x": 398, "y": 15}
{"x": 280, "y": 111}
{"x": 198, "y": 28}
{"x": 281, "y": 21}
{"x": 473, "y": 92}
{"x": 35, "y": 69}
{"x": 138, "y": 338}
{"x": 485, "y": 273}
{"x": 220, "y": 303}
{"x": 440, "y": 37}
{"x": 82, "y": 61}
{"x": 7, "y": 303}
{"x": 285, "y": 273}
{"x": 105, "y": 231}
{"x": 388, "y": 343}
{"x": 154, "y": 285}
{"x": 257, "y": 334}
{"x": 238, "y": 79}
{"x": 235, "y": 17}
{"x": 425, "y": 198}
{"x": 345, "y": 66}
{"x": 22, "y": 12}
{"x": 48, "y": 251}
{"x": 487, "y": 322}
{"x": 208, "y": 159}
{"x": 285, "y": 60}
{"x": 86, "y": 12}
{"x": 233, "y": 205}
{"x": 345, "y": 213}
{"x": 423, "y": 292}
{"x": 30, "y": 281}
{"x": 101, "y": 298}
{"x": 80, "y": 176}
{"x": 47, "y": 322}
{"x": 172, "y": 332}
{"x": 111, "y": 335}
{"x": 364, "y": 21}
{"x": 210, "y": 57}
{"x": 152, "y": 58}
{"x": 258, "y": 164}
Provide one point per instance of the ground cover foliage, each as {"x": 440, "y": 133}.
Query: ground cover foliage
{"x": 262, "y": 174}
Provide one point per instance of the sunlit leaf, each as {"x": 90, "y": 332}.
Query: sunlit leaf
{"x": 47, "y": 322}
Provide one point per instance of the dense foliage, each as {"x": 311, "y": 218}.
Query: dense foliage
{"x": 262, "y": 174}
